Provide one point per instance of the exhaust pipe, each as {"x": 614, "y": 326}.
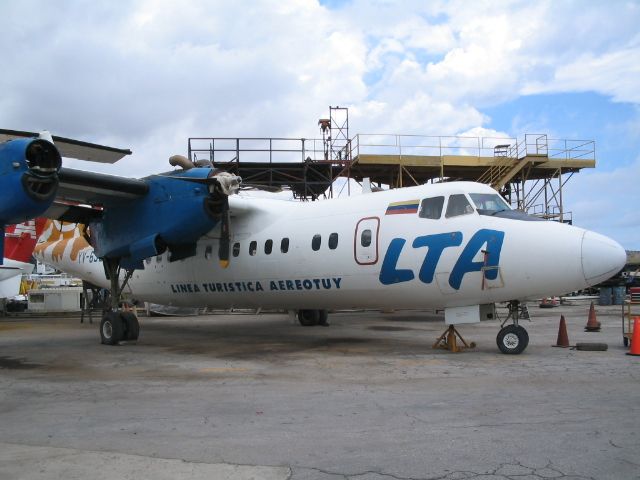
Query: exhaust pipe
{"x": 181, "y": 161}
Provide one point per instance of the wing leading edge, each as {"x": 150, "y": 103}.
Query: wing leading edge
{"x": 71, "y": 148}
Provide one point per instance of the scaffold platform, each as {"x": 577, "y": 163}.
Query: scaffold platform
{"x": 529, "y": 171}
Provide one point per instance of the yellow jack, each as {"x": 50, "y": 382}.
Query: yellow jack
{"x": 449, "y": 342}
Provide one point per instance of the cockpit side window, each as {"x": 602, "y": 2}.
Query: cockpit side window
{"x": 458, "y": 205}
{"x": 431, "y": 207}
{"x": 489, "y": 203}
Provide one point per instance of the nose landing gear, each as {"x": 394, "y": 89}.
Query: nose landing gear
{"x": 513, "y": 339}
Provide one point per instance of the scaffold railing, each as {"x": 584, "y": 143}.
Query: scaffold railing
{"x": 220, "y": 150}
{"x": 424, "y": 145}
{"x": 282, "y": 149}
{"x": 441, "y": 146}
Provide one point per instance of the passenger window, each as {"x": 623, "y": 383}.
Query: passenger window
{"x": 333, "y": 241}
{"x": 208, "y": 251}
{"x": 431, "y": 208}
{"x": 284, "y": 245}
{"x": 316, "y": 242}
{"x": 365, "y": 238}
{"x": 253, "y": 247}
{"x": 236, "y": 249}
{"x": 268, "y": 246}
{"x": 458, "y": 205}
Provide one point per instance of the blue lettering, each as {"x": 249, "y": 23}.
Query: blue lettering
{"x": 489, "y": 242}
{"x": 493, "y": 240}
{"x": 436, "y": 245}
{"x": 307, "y": 284}
{"x": 389, "y": 274}
{"x": 337, "y": 282}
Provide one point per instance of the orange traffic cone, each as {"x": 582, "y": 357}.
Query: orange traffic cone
{"x": 635, "y": 339}
{"x": 593, "y": 325}
{"x": 563, "y": 337}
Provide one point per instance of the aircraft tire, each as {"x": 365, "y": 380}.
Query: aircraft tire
{"x": 131, "y": 324}
{"x": 512, "y": 340}
{"x": 323, "y": 319}
{"x": 308, "y": 318}
{"x": 111, "y": 328}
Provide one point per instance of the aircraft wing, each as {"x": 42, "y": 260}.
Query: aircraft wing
{"x": 98, "y": 188}
{"x": 70, "y": 148}
{"x": 130, "y": 219}
{"x": 83, "y": 195}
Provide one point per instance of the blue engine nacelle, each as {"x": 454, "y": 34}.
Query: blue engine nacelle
{"x": 177, "y": 210}
{"x": 28, "y": 180}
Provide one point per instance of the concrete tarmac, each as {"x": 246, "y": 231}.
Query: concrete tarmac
{"x": 257, "y": 397}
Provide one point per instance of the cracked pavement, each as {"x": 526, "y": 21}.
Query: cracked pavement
{"x": 240, "y": 396}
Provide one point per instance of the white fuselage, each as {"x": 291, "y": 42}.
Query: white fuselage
{"x": 404, "y": 261}
{"x": 11, "y": 275}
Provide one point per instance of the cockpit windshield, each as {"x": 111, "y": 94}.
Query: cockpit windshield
{"x": 489, "y": 203}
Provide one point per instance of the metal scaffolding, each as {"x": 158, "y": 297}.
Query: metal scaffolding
{"x": 529, "y": 171}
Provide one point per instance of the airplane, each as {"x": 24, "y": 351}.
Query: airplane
{"x": 20, "y": 241}
{"x": 455, "y": 246}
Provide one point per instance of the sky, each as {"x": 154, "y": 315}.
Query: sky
{"x": 147, "y": 75}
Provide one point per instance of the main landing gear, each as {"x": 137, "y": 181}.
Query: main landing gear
{"x": 311, "y": 318}
{"x": 513, "y": 339}
{"x": 117, "y": 325}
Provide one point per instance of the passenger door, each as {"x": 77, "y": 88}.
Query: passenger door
{"x": 365, "y": 242}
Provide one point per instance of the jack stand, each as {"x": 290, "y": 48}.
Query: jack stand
{"x": 448, "y": 341}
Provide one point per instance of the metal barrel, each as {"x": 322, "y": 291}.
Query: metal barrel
{"x": 619, "y": 294}
{"x": 605, "y": 296}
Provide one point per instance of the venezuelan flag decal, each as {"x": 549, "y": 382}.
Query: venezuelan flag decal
{"x": 409, "y": 206}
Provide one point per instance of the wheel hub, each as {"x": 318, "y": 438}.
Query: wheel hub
{"x": 107, "y": 329}
{"x": 511, "y": 340}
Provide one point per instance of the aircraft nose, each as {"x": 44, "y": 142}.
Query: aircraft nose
{"x": 601, "y": 257}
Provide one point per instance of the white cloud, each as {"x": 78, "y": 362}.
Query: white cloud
{"x": 607, "y": 203}
{"x": 612, "y": 73}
